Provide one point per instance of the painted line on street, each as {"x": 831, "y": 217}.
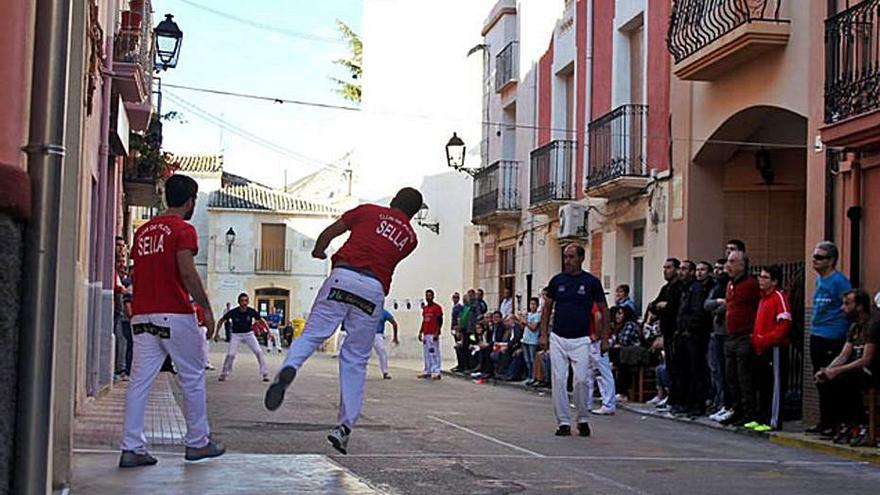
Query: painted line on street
{"x": 689, "y": 460}
{"x": 487, "y": 437}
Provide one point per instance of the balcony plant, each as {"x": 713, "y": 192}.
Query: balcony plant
{"x": 146, "y": 160}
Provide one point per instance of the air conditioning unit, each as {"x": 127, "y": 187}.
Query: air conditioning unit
{"x": 573, "y": 221}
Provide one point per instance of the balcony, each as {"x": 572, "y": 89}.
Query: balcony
{"x": 496, "y": 193}
{"x": 133, "y": 64}
{"x": 709, "y": 38}
{"x": 550, "y": 182}
{"x": 852, "y": 77}
{"x": 273, "y": 260}
{"x": 507, "y": 67}
{"x": 617, "y": 153}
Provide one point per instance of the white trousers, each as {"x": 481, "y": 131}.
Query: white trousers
{"x": 250, "y": 340}
{"x": 431, "y": 351}
{"x": 577, "y": 353}
{"x": 184, "y": 345}
{"x": 607, "y": 388}
{"x": 379, "y": 347}
{"x": 273, "y": 342}
{"x": 326, "y": 315}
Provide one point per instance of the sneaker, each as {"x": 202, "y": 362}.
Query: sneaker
{"x": 751, "y": 425}
{"x": 663, "y": 402}
{"x": 563, "y": 431}
{"x": 423, "y": 375}
{"x": 266, "y": 377}
{"x": 762, "y": 428}
{"x": 213, "y": 449}
{"x": 210, "y": 367}
{"x": 475, "y": 374}
{"x": 221, "y": 378}
{"x": 130, "y": 458}
{"x": 730, "y": 418}
{"x": 436, "y": 377}
{"x": 338, "y": 438}
{"x": 386, "y": 376}
{"x": 655, "y": 400}
{"x": 275, "y": 393}
{"x": 584, "y": 429}
{"x": 621, "y": 398}
{"x": 861, "y": 438}
{"x": 480, "y": 381}
{"x": 604, "y": 411}
{"x": 720, "y": 414}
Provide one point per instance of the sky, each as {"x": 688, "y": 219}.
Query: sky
{"x": 419, "y": 86}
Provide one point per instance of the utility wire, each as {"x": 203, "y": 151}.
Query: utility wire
{"x": 265, "y": 27}
{"x": 264, "y": 143}
{"x": 498, "y": 125}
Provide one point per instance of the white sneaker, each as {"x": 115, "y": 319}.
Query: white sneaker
{"x": 714, "y": 417}
{"x": 604, "y": 411}
{"x": 656, "y": 400}
{"x": 724, "y": 417}
{"x": 338, "y": 438}
{"x": 663, "y": 402}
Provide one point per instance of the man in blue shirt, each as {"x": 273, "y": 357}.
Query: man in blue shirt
{"x": 573, "y": 294}
{"x": 379, "y": 341}
{"x": 273, "y": 320}
{"x": 829, "y": 326}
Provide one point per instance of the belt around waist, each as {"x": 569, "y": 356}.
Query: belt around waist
{"x": 361, "y": 271}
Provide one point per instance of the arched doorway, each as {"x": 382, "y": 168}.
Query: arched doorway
{"x": 751, "y": 177}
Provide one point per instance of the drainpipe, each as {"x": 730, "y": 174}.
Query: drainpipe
{"x": 45, "y": 156}
{"x": 854, "y": 214}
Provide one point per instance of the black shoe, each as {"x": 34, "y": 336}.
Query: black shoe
{"x": 130, "y": 459}
{"x": 816, "y": 429}
{"x": 696, "y": 413}
{"x": 584, "y": 429}
{"x": 456, "y": 369}
{"x": 275, "y": 392}
{"x": 736, "y": 418}
{"x": 563, "y": 431}
{"x": 213, "y": 449}
{"x": 678, "y": 410}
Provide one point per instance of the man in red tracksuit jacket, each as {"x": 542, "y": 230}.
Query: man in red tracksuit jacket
{"x": 770, "y": 339}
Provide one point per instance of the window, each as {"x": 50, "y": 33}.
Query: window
{"x": 506, "y": 272}
{"x": 639, "y": 237}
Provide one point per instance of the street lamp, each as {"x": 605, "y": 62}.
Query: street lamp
{"x": 230, "y": 239}
{"x": 455, "y": 153}
{"x": 422, "y": 215}
{"x": 168, "y": 38}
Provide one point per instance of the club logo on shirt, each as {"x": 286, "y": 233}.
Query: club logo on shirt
{"x": 582, "y": 291}
{"x": 152, "y": 239}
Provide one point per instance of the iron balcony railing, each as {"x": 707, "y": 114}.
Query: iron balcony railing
{"x": 617, "y": 144}
{"x": 507, "y": 65}
{"x": 852, "y": 61}
{"x": 551, "y": 172}
{"x": 273, "y": 260}
{"x": 496, "y": 188}
{"x": 695, "y": 24}
{"x": 133, "y": 42}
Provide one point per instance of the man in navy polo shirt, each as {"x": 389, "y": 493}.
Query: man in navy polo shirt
{"x": 572, "y": 294}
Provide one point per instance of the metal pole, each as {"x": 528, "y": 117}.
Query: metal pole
{"x": 45, "y": 154}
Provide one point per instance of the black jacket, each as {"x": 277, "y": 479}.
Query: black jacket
{"x": 671, "y": 294}
{"x": 693, "y": 319}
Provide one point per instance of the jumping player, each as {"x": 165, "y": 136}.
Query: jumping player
{"x": 242, "y": 321}
{"x": 163, "y": 324}
{"x": 352, "y": 295}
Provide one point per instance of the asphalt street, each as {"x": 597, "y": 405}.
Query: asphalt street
{"x": 456, "y": 437}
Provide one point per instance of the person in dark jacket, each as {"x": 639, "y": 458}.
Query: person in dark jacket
{"x": 716, "y": 305}
{"x": 665, "y": 306}
{"x": 692, "y": 337}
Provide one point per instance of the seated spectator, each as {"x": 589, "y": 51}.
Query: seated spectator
{"x": 856, "y": 368}
{"x": 622, "y": 298}
{"x": 627, "y": 352}
{"x": 513, "y": 360}
{"x": 481, "y": 349}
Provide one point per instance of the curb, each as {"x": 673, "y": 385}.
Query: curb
{"x": 795, "y": 440}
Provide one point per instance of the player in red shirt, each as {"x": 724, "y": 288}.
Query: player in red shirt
{"x": 353, "y": 295}
{"x": 163, "y": 323}
{"x": 429, "y": 335}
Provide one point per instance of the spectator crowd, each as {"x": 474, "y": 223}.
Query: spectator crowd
{"x": 716, "y": 339}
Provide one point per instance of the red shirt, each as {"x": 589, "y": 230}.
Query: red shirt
{"x": 743, "y": 296}
{"x": 773, "y": 322}
{"x": 380, "y": 238}
{"x": 158, "y": 287}
{"x": 431, "y": 315}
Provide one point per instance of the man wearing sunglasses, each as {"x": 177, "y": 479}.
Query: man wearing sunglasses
{"x": 829, "y": 326}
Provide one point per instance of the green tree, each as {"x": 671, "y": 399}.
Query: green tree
{"x": 350, "y": 90}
